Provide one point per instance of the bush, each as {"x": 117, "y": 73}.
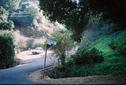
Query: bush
{"x": 88, "y": 57}
{"x": 113, "y": 50}
{"x": 120, "y": 48}
{"x": 6, "y": 49}
{"x": 6, "y": 25}
{"x": 64, "y": 42}
{"x": 56, "y": 73}
{"x": 115, "y": 69}
{"x": 113, "y": 46}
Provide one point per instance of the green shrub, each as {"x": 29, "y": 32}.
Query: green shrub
{"x": 88, "y": 57}
{"x": 105, "y": 68}
{"x": 113, "y": 50}
{"x": 6, "y": 49}
{"x": 64, "y": 42}
{"x": 120, "y": 48}
{"x": 113, "y": 46}
{"x": 123, "y": 50}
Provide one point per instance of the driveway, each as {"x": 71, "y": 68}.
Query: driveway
{"x": 19, "y": 74}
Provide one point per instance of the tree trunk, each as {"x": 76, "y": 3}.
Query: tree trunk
{"x": 62, "y": 60}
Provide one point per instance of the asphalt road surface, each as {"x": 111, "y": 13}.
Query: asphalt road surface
{"x": 19, "y": 74}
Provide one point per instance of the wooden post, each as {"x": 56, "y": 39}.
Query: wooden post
{"x": 45, "y": 56}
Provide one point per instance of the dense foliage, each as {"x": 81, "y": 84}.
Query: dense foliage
{"x": 112, "y": 9}
{"x": 112, "y": 57}
{"x": 10, "y": 5}
{"x": 6, "y": 49}
{"x": 64, "y": 42}
{"x": 5, "y": 23}
{"x": 83, "y": 56}
{"x": 66, "y": 12}
{"x": 75, "y": 15}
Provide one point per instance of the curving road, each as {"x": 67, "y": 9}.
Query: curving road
{"x": 19, "y": 74}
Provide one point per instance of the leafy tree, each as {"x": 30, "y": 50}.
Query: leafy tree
{"x": 114, "y": 10}
{"x": 64, "y": 43}
{"x": 75, "y": 16}
{"x": 3, "y": 14}
{"x": 4, "y": 22}
{"x": 66, "y": 12}
{"x": 10, "y": 5}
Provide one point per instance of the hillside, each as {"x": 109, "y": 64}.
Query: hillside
{"x": 29, "y": 32}
{"x": 111, "y": 47}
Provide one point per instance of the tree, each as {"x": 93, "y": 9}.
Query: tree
{"x": 66, "y": 12}
{"x": 3, "y": 14}
{"x": 64, "y": 43}
{"x": 113, "y": 10}
{"x": 5, "y": 23}
{"x": 10, "y": 5}
{"x": 75, "y": 17}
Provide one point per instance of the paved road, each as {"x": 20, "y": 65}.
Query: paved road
{"x": 18, "y": 74}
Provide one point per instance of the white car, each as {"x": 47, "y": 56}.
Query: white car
{"x": 37, "y": 51}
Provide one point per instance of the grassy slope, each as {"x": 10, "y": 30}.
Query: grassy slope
{"x": 113, "y": 64}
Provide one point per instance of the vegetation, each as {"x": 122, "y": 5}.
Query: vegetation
{"x": 113, "y": 63}
{"x": 113, "y": 10}
{"x": 10, "y": 5}
{"x": 6, "y": 49}
{"x": 68, "y": 13}
{"x": 6, "y": 37}
{"x": 12, "y": 15}
{"x": 106, "y": 55}
{"x": 4, "y": 22}
{"x": 25, "y": 16}
{"x": 76, "y": 15}
{"x": 64, "y": 43}
{"x": 83, "y": 56}
{"x": 22, "y": 20}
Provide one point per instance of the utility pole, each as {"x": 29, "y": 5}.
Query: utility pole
{"x": 47, "y": 42}
{"x": 45, "y": 56}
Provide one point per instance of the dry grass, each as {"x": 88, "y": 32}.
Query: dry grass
{"x": 24, "y": 43}
{"x": 32, "y": 36}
